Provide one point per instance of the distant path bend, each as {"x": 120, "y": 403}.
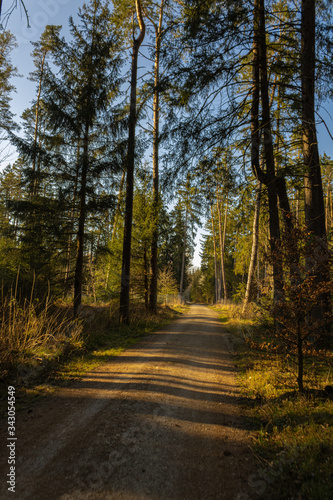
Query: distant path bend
{"x": 159, "y": 422}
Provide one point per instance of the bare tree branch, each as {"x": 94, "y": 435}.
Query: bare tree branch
{"x": 4, "y": 17}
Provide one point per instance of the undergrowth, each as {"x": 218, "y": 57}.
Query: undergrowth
{"x": 42, "y": 346}
{"x": 32, "y": 334}
{"x": 293, "y": 432}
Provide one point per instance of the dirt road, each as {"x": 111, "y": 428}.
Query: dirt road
{"x": 159, "y": 422}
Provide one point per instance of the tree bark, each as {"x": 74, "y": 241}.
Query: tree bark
{"x": 329, "y": 204}
{"x": 255, "y": 128}
{"x": 126, "y": 259}
{"x": 115, "y": 222}
{"x": 82, "y": 217}
{"x": 117, "y": 212}
{"x": 216, "y": 281}
{"x": 225, "y": 290}
{"x": 146, "y": 281}
{"x": 260, "y": 85}
{"x": 254, "y": 251}
{"x": 71, "y": 218}
{"x": 156, "y": 105}
{"x": 222, "y": 234}
{"x": 35, "y": 184}
{"x": 272, "y": 188}
{"x": 313, "y": 189}
{"x": 314, "y": 199}
{"x": 181, "y": 288}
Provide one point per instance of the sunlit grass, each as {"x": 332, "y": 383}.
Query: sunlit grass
{"x": 37, "y": 367}
{"x": 293, "y": 432}
{"x": 33, "y": 334}
{"x": 237, "y": 323}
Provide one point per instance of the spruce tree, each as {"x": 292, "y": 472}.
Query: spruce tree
{"x": 80, "y": 137}
{"x": 7, "y": 71}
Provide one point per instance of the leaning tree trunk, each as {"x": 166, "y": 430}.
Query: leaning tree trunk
{"x": 126, "y": 260}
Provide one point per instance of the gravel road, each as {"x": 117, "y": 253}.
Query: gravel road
{"x": 160, "y": 422}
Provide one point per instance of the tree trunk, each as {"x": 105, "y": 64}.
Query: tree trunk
{"x": 216, "y": 281}
{"x": 92, "y": 277}
{"x": 35, "y": 183}
{"x": 71, "y": 223}
{"x": 117, "y": 212}
{"x": 146, "y": 281}
{"x": 222, "y": 234}
{"x": 225, "y": 291}
{"x": 300, "y": 358}
{"x": 314, "y": 199}
{"x": 329, "y": 204}
{"x": 313, "y": 189}
{"x": 274, "y": 225}
{"x": 254, "y": 252}
{"x": 126, "y": 260}
{"x": 154, "y": 243}
{"x": 255, "y": 130}
{"x": 260, "y": 83}
{"x": 115, "y": 223}
{"x": 181, "y": 288}
{"x": 82, "y": 219}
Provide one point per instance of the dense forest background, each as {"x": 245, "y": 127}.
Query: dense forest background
{"x": 153, "y": 119}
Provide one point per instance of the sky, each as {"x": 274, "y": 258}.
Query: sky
{"x": 43, "y": 12}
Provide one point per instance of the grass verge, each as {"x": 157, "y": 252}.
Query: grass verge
{"x": 293, "y": 432}
{"x": 45, "y": 366}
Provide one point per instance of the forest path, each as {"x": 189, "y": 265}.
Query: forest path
{"x": 159, "y": 422}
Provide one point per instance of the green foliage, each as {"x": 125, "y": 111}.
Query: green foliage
{"x": 7, "y": 71}
{"x": 167, "y": 283}
{"x": 72, "y": 151}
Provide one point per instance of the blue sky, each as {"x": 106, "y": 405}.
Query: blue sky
{"x": 41, "y": 13}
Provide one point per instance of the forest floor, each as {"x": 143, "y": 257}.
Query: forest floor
{"x": 161, "y": 421}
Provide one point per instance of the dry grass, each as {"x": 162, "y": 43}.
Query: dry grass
{"x": 293, "y": 433}
{"x": 238, "y": 323}
{"x": 31, "y": 330}
{"x": 38, "y": 340}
